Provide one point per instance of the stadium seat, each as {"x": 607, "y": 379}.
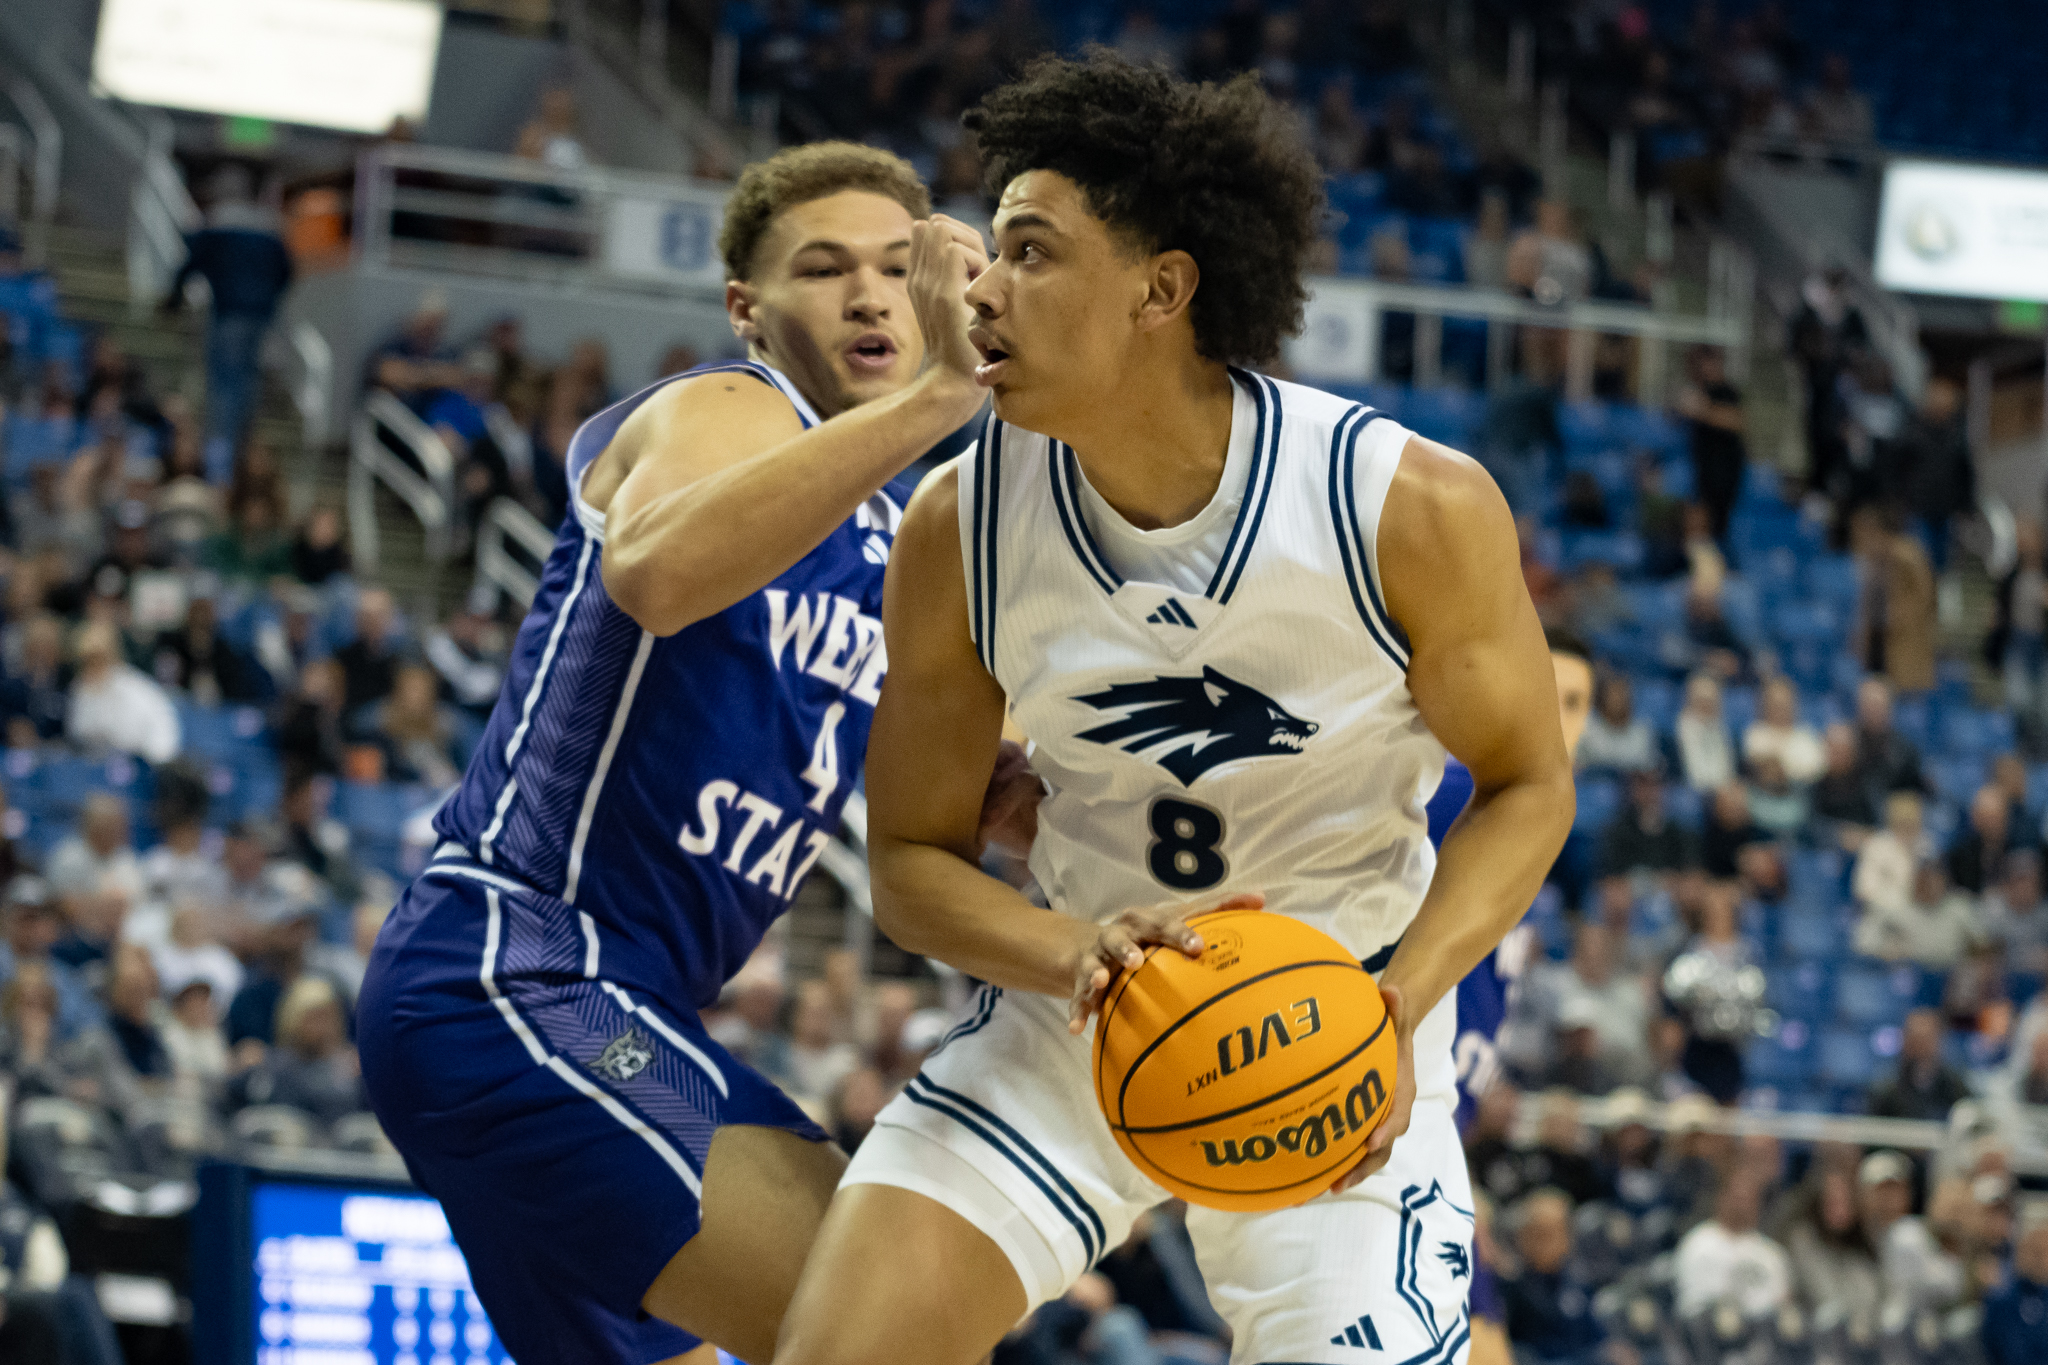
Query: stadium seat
{"x": 1811, "y": 938}
{"x": 1782, "y": 1061}
{"x": 1587, "y": 427}
{"x": 1846, "y": 1059}
{"x": 1600, "y": 800}
{"x": 1801, "y": 992}
{"x": 1872, "y": 994}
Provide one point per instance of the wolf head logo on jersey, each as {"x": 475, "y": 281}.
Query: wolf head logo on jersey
{"x": 625, "y": 1057}
{"x": 1190, "y": 725}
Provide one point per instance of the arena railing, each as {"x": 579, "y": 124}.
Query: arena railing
{"x": 422, "y": 477}
{"x": 1340, "y": 342}
{"x": 46, "y": 163}
{"x": 511, "y": 547}
{"x": 308, "y": 362}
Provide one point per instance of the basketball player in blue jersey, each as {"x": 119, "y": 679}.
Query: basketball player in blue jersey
{"x": 686, "y": 712}
{"x": 1483, "y": 994}
{"x": 1241, "y": 621}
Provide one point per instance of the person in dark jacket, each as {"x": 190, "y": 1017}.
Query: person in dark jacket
{"x": 1549, "y": 1311}
{"x": 1925, "y": 1086}
{"x": 1928, "y": 470}
{"x": 243, "y": 260}
{"x": 2016, "y": 1315}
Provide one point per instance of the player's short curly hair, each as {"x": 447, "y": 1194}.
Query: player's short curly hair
{"x": 797, "y": 175}
{"x": 1222, "y": 172}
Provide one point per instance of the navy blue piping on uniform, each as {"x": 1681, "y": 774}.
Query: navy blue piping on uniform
{"x": 957, "y": 1107}
{"x": 1388, "y": 624}
{"x": 977, "y": 542}
{"x": 992, "y": 455}
{"x": 984, "y": 1010}
{"x": 1237, "y": 527}
{"x": 1059, "y": 466}
{"x": 1258, "y": 489}
{"x": 1344, "y": 521}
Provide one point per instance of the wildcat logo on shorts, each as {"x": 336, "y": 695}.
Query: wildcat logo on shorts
{"x": 1313, "y": 1135}
{"x": 625, "y": 1057}
{"x": 1190, "y": 725}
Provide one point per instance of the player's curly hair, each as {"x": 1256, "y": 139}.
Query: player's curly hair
{"x": 797, "y": 175}
{"x": 1222, "y": 172}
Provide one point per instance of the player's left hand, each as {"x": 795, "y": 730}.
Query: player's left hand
{"x": 1009, "y": 812}
{"x": 1379, "y": 1148}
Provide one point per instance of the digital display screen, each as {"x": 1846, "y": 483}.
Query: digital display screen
{"x": 349, "y": 64}
{"x": 354, "y": 1278}
{"x": 1975, "y": 231}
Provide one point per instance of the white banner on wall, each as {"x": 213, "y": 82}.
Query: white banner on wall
{"x": 1338, "y": 342}
{"x": 349, "y": 64}
{"x": 1977, "y": 231}
{"x": 673, "y": 239}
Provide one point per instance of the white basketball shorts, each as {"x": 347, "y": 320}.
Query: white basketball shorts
{"x": 1002, "y": 1128}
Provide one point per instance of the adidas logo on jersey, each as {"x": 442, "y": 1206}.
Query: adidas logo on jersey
{"x": 1190, "y": 725}
{"x": 1360, "y": 1333}
{"x": 1172, "y": 613}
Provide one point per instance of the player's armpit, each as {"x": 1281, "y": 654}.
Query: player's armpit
{"x": 1480, "y": 674}
{"x": 930, "y": 756}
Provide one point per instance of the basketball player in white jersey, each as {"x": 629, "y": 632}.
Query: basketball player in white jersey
{"x": 1242, "y": 622}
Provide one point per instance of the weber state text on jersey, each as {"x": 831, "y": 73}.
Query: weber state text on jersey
{"x": 1254, "y": 731}
{"x": 676, "y": 790}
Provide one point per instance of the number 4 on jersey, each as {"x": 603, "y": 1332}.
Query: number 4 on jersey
{"x": 824, "y": 770}
{"x": 1183, "y": 853}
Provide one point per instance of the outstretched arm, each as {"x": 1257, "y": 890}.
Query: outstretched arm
{"x": 930, "y": 753}
{"x": 719, "y": 489}
{"x": 1480, "y": 673}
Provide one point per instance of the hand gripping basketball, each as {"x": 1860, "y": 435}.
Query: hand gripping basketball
{"x": 1118, "y": 945}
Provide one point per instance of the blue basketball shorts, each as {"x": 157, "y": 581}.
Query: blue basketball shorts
{"x": 562, "y": 1119}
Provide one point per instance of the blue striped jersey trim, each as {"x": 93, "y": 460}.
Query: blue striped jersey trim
{"x": 992, "y": 456}
{"x": 1060, "y": 467}
{"x": 1351, "y": 547}
{"x": 984, "y": 1010}
{"x": 998, "y": 1134}
{"x": 1258, "y": 487}
{"x": 977, "y": 546}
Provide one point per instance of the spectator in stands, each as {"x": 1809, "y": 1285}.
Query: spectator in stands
{"x": 285, "y": 934}
{"x": 256, "y": 546}
{"x": 1826, "y": 334}
{"x": 1144, "y": 42}
{"x": 1489, "y": 1142}
{"x": 750, "y": 1009}
{"x": 1983, "y": 845}
{"x": 1937, "y": 928}
{"x": 468, "y": 652}
{"x": 1727, "y": 1261}
{"x": 195, "y": 659}
{"x": 418, "y": 365}
{"x": 115, "y": 374}
{"x": 95, "y": 875}
{"x": 1729, "y": 830}
{"x": 115, "y": 705}
{"x": 854, "y": 1102}
{"x": 817, "y": 1059}
{"x": 241, "y": 256}
{"x": 1883, "y": 879}
{"x": 2016, "y": 1313}
{"x": 312, "y": 733}
{"x": 1888, "y": 760}
{"x": 1777, "y": 731}
{"x": 1706, "y": 756}
{"x": 1644, "y": 838}
{"x": 33, "y": 924}
{"x": 319, "y": 552}
{"x": 128, "y": 553}
{"x": 132, "y": 991}
{"x": 1833, "y": 1262}
{"x": 1549, "y": 263}
{"x": 36, "y": 699}
{"x": 1703, "y": 640}
{"x": 1925, "y": 1086}
{"x": 1928, "y": 472}
{"x": 369, "y": 663}
{"x": 1712, "y": 408}
{"x": 2016, "y": 645}
{"x": 314, "y": 839}
{"x": 1486, "y": 246}
{"x": 1776, "y": 806}
{"x": 1616, "y": 738}
{"x": 1922, "y": 1254}
{"x": 1843, "y": 813}
{"x": 1549, "y": 1308}
{"x": 580, "y": 388}
{"x": 312, "y": 1068}
{"x": 415, "y": 731}
{"x": 87, "y": 1067}
{"x": 2013, "y": 916}
{"x": 550, "y": 137}
{"x": 192, "y": 1035}
{"x": 1597, "y": 995}
{"x": 1895, "y": 630}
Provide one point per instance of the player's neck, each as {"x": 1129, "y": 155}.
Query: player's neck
{"x": 1156, "y": 455}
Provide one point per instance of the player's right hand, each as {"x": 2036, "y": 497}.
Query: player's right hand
{"x": 945, "y": 257}
{"x": 1118, "y": 945}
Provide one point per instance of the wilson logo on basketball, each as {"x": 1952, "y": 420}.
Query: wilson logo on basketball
{"x": 1307, "y": 1018}
{"x": 1313, "y": 1135}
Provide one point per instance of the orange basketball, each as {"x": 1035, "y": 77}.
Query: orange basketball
{"x": 1247, "y": 1078}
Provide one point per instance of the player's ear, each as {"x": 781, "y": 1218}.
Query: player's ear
{"x": 1170, "y": 289}
{"x": 739, "y": 308}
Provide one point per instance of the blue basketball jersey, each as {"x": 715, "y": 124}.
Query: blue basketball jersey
{"x": 675, "y": 791}
{"x": 1483, "y": 994}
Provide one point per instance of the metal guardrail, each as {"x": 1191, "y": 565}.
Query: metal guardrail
{"x": 46, "y": 163}
{"x": 424, "y": 482}
{"x": 1341, "y": 339}
{"x": 161, "y": 213}
{"x": 313, "y": 358}
{"x": 594, "y": 229}
{"x": 511, "y": 547}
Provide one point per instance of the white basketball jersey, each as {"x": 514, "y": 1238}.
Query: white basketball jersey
{"x": 1257, "y": 736}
